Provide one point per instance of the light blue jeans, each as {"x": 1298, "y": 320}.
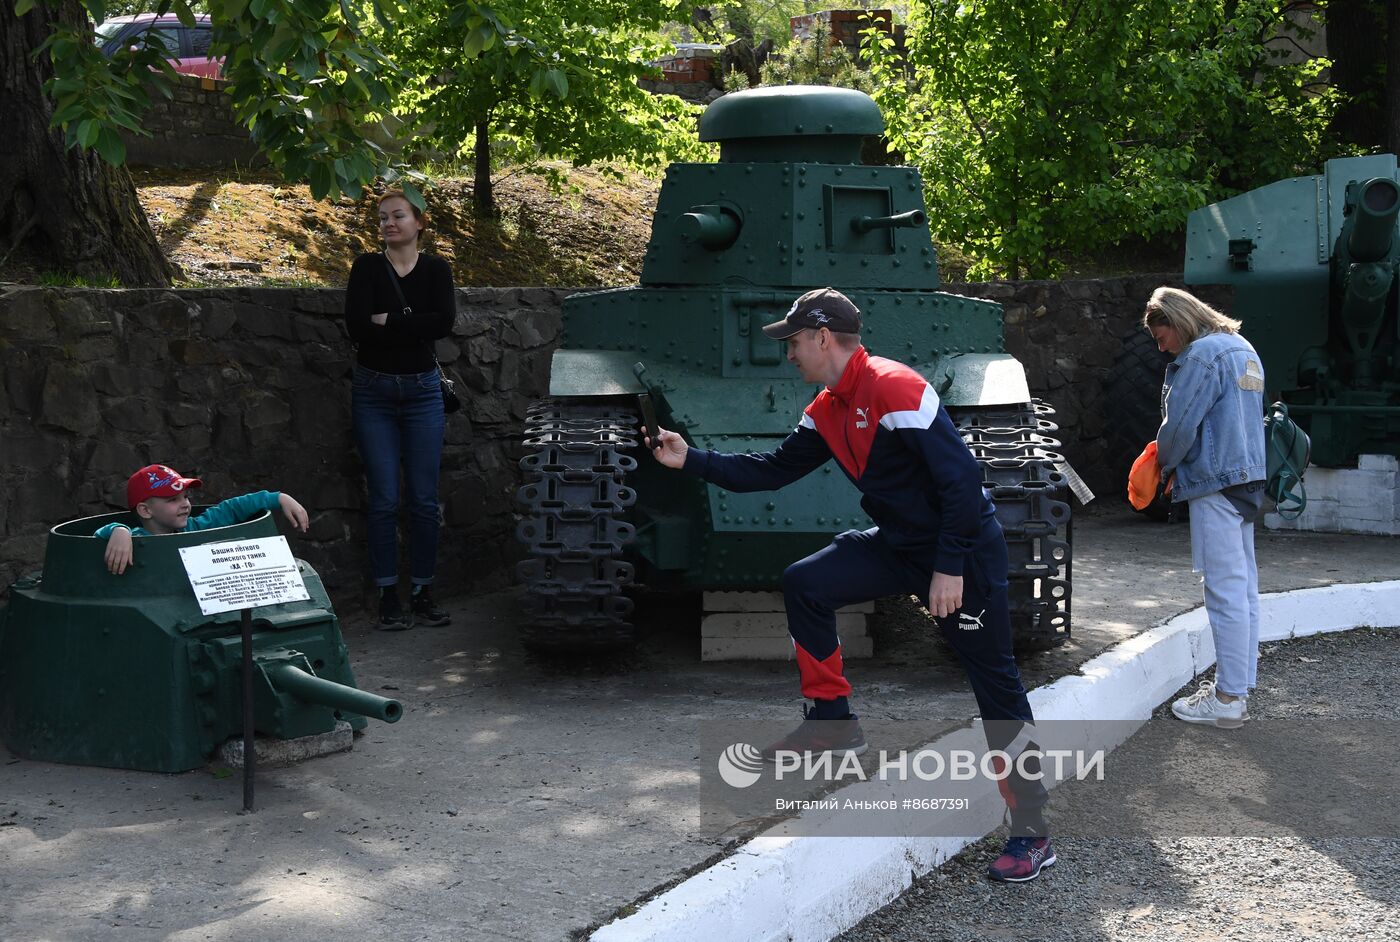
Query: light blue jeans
{"x": 1222, "y": 550}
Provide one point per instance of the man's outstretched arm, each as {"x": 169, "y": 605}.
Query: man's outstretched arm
{"x": 802, "y": 452}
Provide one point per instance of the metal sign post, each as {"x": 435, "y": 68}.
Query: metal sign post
{"x": 250, "y": 754}
{"x": 241, "y": 575}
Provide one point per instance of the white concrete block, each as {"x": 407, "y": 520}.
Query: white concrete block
{"x": 760, "y": 602}
{"x": 1379, "y": 463}
{"x": 1130, "y": 679}
{"x": 1366, "y": 487}
{"x": 1320, "y": 515}
{"x": 742, "y": 601}
{"x": 773, "y": 625}
{"x": 1362, "y": 525}
{"x": 746, "y": 625}
{"x": 728, "y": 901}
{"x": 773, "y": 649}
{"x": 278, "y": 753}
{"x": 1382, "y": 511}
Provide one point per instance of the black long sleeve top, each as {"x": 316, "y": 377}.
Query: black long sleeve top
{"x": 404, "y": 343}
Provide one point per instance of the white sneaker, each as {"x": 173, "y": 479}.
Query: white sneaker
{"x": 1204, "y": 707}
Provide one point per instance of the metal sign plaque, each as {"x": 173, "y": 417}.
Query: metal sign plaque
{"x": 243, "y": 574}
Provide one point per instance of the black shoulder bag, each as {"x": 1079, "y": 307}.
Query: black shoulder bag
{"x": 450, "y": 402}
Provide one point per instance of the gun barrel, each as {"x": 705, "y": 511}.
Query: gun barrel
{"x": 1373, "y": 220}
{"x": 297, "y": 682}
{"x": 909, "y": 220}
{"x": 711, "y": 226}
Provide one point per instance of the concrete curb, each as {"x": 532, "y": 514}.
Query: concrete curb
{"x": 808, "y": 889}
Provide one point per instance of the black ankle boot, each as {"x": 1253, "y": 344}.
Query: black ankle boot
{"x": 425, "y": 612}
{"x": 392, "y": 617}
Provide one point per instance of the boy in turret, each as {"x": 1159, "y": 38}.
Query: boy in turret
{"x": 160, "y": 497}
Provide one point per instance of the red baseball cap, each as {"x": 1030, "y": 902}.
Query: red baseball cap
{"x": 156, "y": 480}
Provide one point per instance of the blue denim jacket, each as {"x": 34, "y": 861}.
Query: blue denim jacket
{"x": 1212, "y": 433}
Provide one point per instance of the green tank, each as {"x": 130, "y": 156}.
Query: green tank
{"x": 788, "y": 207}
{"x": 1313, "y": 263}
{"x": 125, "y": 672}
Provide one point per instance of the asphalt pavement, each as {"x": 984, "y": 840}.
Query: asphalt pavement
{"x": 1292, "y": 883}
{"x": 519, "y": 798}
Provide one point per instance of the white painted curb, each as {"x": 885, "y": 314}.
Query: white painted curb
{"x": 808, "y": 889}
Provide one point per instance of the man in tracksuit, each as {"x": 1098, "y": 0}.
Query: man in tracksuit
{"x": 936, "y": 536}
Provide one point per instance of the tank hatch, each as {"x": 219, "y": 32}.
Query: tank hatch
{"x": 791, "y": 123}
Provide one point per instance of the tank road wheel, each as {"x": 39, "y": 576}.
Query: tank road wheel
{"x": 1133, "y": 409}
{"x": 572, "y": 502}
{"x": 1018, "y": 458}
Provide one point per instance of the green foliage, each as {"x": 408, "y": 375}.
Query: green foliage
{"x": 548, "y": 80}
{"x": 815, "y": 61}
{"x": 314, "y": 81}
{"x": 303, "y": 75}
{"x": 1042, "y": 127}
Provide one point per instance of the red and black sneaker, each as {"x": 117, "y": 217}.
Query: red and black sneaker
{"x": 1022, "y": 859}
{"x": 816, "y": 737}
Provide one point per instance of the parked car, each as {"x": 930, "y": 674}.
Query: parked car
{"x": 188, "y": 46}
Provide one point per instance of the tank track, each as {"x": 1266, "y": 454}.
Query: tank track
{"x": 1019, "y": 460}
{"x": 572, "y": 503}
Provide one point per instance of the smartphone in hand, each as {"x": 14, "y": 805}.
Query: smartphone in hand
{"x": 653, "y": 430}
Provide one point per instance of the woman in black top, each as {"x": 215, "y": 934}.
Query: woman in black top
{"x": 396, "y": 401}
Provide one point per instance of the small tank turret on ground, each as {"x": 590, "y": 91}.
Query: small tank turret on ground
{"x": 125, "y": 672}
{"x": 788, "y": 207}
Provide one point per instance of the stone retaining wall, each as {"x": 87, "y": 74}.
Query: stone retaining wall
{"x": 192, "y": 128}
{"x": 248, "y": 389}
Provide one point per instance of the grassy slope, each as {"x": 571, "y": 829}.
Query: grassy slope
{"x": 253, "y": 229}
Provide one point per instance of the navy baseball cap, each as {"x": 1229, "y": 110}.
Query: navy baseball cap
{"x": 822, "y": 307}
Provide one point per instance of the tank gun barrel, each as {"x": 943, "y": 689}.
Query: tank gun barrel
{"x": 1373, "y": 220}
{"x": 289, "y": 679}
{"x": 714, "y": 227}
{"x": 909, "y": 220}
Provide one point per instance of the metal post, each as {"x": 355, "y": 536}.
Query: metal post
{"x": 249, "y": 752}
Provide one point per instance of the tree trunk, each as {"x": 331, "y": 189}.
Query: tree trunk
{"x": 60, "y": 209}
{"x": 1392, "y": 77}
{"x": 1356, "y": 44}
{"x": 482, "y": 197}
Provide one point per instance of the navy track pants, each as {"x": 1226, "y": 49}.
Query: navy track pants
{"x": 861, "y": 565}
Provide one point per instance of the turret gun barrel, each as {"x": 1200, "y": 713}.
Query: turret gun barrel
{"x": 909, "y": 220}
{"x": 289, "y": 679}
{"x": 1373, "y": 220}
{"x": 714, "y": 227}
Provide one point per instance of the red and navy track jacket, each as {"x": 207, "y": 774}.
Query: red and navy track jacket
{"x": 884, "y": 424}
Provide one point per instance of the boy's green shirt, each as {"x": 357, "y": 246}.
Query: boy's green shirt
{"x": 222, "y": 514}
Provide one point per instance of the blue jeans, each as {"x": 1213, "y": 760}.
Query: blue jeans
{"x": 1222, "y": 550}
{"x": 399, "y": 423}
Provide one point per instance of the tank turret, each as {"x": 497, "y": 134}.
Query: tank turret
{"x": 125, "y": 672}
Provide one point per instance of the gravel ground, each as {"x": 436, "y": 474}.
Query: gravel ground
{"x": 1237, "y": 889}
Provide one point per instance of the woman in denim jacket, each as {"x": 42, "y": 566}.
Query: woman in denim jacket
{"x": 1212, "y": 440}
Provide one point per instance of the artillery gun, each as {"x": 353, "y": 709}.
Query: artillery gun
{"x": 788, "y": 207}
{"x": 125, "y": 672}
{"x": 1313, "y": 263}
